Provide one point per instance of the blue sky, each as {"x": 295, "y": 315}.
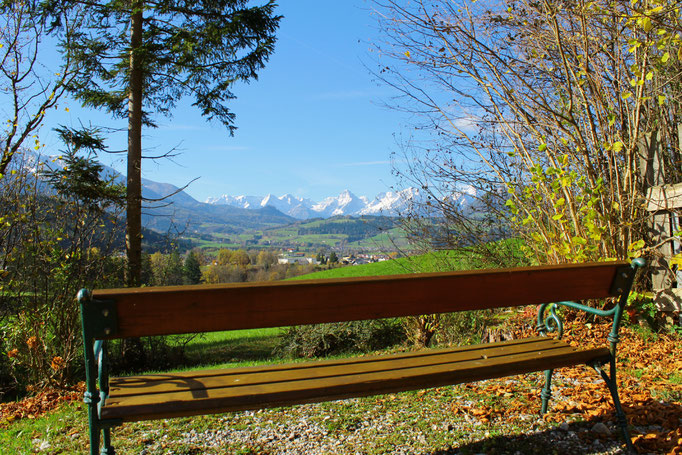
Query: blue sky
{"x": 313, "y": 125}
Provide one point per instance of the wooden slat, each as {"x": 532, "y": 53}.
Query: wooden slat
{"x": 186, "y": 309}
{"x": 473, "y": 351}
{"x": 162, "y": 383}
{"x": 160, "y": 396}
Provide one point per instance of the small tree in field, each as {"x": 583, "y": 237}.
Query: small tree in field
{"x": 192, "y": 268}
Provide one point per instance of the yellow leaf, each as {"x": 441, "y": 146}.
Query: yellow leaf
{"x": 407, "y": 54}
{"x": 675, "y": 260}
{"x": 646, "y": 24}
{"x": 617, "y": 146}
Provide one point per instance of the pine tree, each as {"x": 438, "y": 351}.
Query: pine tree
{"x": 192, "y": 268}
{"x": 141, "y": 58}
{"x": 333, "y": 258}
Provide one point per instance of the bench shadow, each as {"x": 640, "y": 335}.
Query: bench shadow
{"x": 173, "y": 382}
{"x": 653, "y": 417}
{"x": 575, "y": 440}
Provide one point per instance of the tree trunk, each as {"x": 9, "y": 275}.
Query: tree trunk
{"x": 134, "y": 193}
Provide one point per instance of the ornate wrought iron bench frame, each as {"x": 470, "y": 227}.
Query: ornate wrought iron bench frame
{"x": 123, "y": 313}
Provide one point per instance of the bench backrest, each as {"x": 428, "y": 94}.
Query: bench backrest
{"x": 168, "y": 310}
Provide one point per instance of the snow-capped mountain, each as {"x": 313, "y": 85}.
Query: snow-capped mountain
{"x": 346, "y": 203}
{"x": 391, "y": 202}
{"x": 243, "y": 202}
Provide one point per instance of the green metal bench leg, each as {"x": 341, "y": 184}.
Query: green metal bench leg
{"x": 612, "y": 384}
{"x": 91, "y": 399}
{"x": 94, "y": 440}
{"x": 107, "y": 449}
{"x": 546, "y": 393}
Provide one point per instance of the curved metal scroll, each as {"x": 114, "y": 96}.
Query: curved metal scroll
{"x": 552, "y": 322}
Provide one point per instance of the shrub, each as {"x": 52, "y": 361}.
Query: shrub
{"x": 327, "y": 339}
{"x": 53, "y": 241}
{"x": 465, "y": 327}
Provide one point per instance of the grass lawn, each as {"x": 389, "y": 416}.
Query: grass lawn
{"x": 432, "y": 262}
{"x": 243, "y": 347}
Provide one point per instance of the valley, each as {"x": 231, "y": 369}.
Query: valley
{"x": 367, "y": 234}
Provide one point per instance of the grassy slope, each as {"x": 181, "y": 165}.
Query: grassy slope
{"x": 431, "y": 262}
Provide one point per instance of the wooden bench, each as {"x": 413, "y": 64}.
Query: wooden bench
{"x": 122, "y": 313}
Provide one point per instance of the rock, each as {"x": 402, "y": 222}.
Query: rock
{"x": 564, "y": 426}
{"x": 601, "y": 429}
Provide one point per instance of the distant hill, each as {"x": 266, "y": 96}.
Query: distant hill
{"x": 185, "y": 213}
{"x": 169, "y": 210}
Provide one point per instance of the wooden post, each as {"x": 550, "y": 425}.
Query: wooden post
{"x": 659, "y": 202}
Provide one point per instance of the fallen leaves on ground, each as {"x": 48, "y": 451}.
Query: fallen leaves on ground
{"x": 644, "y": 366}
{"x": 38, "y": 404}
{"x": 643, "y": 369}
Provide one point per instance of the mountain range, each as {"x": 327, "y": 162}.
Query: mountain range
{"x": 175, "y": 209}
{"x": 389, "y": 203}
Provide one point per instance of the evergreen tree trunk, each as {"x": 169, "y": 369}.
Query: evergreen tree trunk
{"x": 134, "y": 195}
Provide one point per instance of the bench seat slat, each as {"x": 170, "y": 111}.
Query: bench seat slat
{"x": 214, "y": 391}
{"x": 237, "y": 377}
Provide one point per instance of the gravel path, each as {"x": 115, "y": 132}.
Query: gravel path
{"x": 362, "y": 427}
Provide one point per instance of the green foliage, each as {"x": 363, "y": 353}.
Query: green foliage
{"x": 320, "y": 340}
{"x": 167, "y": 269}
{"x": 641, "y": 305}
{"x": 192, "y": 268}
{"x": 80, "y": 178}
{"x": 51, "y": 245}
{"x": 554, "y": 230}
{"x": 198, "y": 49}
{"x": 465, "y": 327}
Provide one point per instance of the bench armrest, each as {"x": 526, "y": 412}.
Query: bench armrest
{"x": 552, "y": 322}
{"x": 95, "y": 353}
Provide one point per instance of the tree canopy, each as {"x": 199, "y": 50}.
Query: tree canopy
{"x": 549, "y": 114}
{"x": 139, "y": 58}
